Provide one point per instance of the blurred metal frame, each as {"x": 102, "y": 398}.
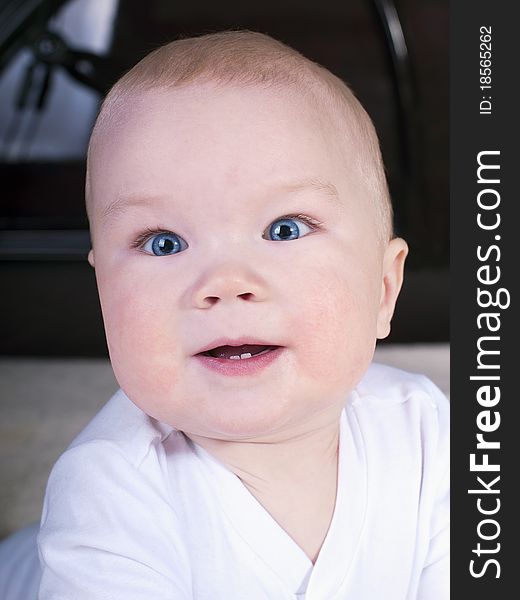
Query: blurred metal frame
{"x": 24, "y": 23}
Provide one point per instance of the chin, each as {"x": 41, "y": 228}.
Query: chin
{"x": 240, "y": 419}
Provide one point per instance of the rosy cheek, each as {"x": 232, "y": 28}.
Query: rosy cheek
{"x": 141, "y": 337}
{"x": 335, "y": 331}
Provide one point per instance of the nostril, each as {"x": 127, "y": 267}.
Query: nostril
{"x": 212, "y": 300}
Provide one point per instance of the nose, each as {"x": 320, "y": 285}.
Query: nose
{"x": 228, "y": 283}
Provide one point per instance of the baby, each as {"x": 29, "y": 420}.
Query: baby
{"x": 243, "y": 249}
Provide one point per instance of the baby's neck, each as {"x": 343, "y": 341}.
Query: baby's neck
{"x": 293, "y": 476}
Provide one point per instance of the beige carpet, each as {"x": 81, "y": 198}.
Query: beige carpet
{"x": 44, "y": 403}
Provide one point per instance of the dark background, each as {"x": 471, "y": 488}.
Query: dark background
{"x": 48, "y": 298}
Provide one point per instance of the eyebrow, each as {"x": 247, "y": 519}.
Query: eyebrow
{"x": 328, "y": 190}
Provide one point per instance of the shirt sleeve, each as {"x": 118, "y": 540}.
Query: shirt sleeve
{"x": 434, "y": 582}
{"x": 108, "y": 532}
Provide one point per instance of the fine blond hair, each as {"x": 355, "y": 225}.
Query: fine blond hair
{"x": 246, "y": 58}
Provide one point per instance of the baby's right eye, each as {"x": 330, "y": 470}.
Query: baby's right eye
{"x": 160, "y": 243}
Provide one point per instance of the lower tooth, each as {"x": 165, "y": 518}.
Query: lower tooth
{"x": 242, "y": 356}
{"x": 248, "y": 355}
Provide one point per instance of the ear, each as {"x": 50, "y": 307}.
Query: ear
{"x": 90, "y": 258}
{"x": 393, "y": 270}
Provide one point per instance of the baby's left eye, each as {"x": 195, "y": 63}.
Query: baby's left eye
{"x": 288, "y": 228}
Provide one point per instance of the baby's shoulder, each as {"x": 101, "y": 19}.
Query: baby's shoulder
{"x": 390, "y": 386}
{"x": 120, "y": 445}
{"x": 391, "y": 396}
{"x": 402, "y": 420}
{"x": 120, "y": 428}
{"x": 118, "y": 456}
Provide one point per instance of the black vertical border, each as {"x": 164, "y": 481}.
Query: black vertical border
{"x": 472, "y": 133}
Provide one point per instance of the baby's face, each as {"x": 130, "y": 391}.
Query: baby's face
{"x": 215, "y": 220}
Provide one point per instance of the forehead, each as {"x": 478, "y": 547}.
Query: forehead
{"x": 204, "y": 138}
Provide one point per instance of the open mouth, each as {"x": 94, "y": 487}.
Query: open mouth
{"x": 242, "y": 352}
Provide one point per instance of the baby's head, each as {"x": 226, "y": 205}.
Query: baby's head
{"x": 236, "y": 196}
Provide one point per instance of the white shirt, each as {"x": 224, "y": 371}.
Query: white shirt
{"x": 134, "y": 510}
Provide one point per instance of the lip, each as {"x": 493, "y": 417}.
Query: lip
{"x": 240, "y": 367}
{"x": 236, "y": 342}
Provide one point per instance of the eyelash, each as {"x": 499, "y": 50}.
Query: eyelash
{"x": 148, "y": 233}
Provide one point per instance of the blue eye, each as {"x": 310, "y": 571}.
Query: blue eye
{"x": 288, "y": 229}
{"x": 164, "y": 244}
